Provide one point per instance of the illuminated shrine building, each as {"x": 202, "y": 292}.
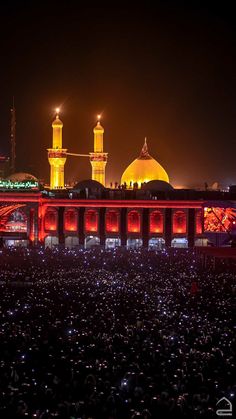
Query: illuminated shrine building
{"x": 143, "y": 169}
{"x": 145, "y": 211}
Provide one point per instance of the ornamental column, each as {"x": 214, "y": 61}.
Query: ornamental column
{"x": 98, "y": 158}
{"x": 191, "y": 227}
{"x": 57, "y": 155}
{"x": 123, "y": 226}
{"x": 168, "y": 227}
{"x": 145, "y": 226}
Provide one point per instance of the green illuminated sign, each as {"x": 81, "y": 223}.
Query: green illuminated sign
{"x": 28, "y": 184}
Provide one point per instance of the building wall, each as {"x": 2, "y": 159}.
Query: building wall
{"x": 63, "y": 221}
{"x": 123, "y": 223}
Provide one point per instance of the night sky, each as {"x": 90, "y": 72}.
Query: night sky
{"x": 167, "y": 72}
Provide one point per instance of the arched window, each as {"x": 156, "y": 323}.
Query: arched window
{"x": 198, "y": 222}
{"x": 156, "y": 222}
{"x": 112, "y": 221}
{"x": 50, "y": 220}
{"x": 71, "y": 219}
{"x": 15, "y": 222}
{"x": 179, "y": 222}
{"x": 133, "y": 222}
{"x": 91, "y": 221}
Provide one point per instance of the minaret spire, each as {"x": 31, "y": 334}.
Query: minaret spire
{"x": 57, "y": 155}
{"x": 98, "y": 158}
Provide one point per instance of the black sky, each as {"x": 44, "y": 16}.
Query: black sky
{"x": 167, "y": 72}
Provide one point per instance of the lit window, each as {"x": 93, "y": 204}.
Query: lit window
{"x": 91, "y": 221}
{"x": 71, "y": 220}
{"x": 112, "y": 221}
{"x": 50, "y": 220}
{"x": 134, "y": 222}
{"x": 179, "y": 222}
{"x": 156, "y": 222}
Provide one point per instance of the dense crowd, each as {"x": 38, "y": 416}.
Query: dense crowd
{"x": 114, "y": 335}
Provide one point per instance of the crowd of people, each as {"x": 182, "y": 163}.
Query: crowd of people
{"x": 116, "y": 334}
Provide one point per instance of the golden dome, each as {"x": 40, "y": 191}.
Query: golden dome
{"x": 57, "y": 122}
{"x": 143, "y": 169}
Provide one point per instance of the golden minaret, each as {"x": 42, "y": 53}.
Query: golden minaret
{"x": 98, "y": 158}
{"x": 57, "y": 155}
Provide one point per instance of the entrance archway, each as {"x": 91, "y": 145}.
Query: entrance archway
{"x": 156, "y": 243}
{"x": 91, "y": 241}
{"x": 51, "y": 241}
{"x": 180, "y": 242}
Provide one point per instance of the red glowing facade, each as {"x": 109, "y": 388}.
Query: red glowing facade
{"x": 134, "y": 222}
{"x": 12, "y": 219}
{"x": 179, "y": 222}
{"x": 35, "y": 218}
{"x": 156, "y": 222}
{"x": 71, "y": 220}
{"x": 198, "y": 221}
{"x": 112, "y": 221}
{"x": 32, "y": 225}
{"x": 51, "y": 219}
{"x": 91, "y": 221}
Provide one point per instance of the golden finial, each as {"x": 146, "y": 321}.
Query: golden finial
{"x": 144, "y": 152}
